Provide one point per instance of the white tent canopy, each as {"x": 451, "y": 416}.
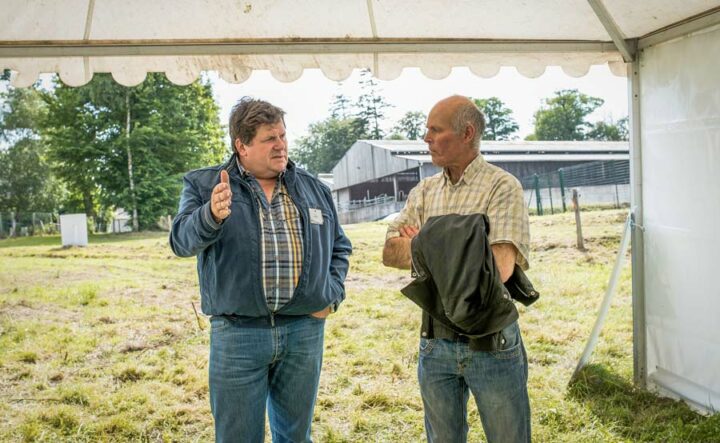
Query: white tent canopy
{"x": 672, "y": 50}
{"x": 77, "y": 38}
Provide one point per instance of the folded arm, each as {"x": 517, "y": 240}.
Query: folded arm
{"x": 397, "y": 252}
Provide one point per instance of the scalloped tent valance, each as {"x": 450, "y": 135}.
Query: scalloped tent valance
{"x": 130, "y": 71}
{"x": 77, "y": 38}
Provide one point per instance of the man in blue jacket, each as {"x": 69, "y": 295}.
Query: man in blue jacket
{"x": 271, "y": 259}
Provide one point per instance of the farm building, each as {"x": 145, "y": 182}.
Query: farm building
{"x": 376, "y": 169}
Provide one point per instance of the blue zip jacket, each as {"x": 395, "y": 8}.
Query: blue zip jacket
{"x": 229, "y": 254}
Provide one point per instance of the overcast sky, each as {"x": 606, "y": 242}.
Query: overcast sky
{"x": 307, "y": 99}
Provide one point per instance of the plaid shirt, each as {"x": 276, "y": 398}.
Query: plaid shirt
{"x": 482, "y": 188}
{"x": 281, "y": 242}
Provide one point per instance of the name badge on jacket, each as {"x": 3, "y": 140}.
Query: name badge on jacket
{"x": 316, "y": 217}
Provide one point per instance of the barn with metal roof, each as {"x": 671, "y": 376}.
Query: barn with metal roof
{"x": 374, "y": 168}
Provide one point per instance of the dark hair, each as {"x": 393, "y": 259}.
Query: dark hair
{"x": 248, "y": 115}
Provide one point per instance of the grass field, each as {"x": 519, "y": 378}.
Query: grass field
{"x": 102, "y": 344}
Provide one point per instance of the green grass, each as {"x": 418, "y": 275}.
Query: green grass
{"x": 101, "y": 343}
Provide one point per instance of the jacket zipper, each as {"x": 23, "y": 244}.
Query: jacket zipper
{"x": 259, "y": 238}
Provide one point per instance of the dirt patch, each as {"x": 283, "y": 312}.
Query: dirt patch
{"x": 23, "y": 310}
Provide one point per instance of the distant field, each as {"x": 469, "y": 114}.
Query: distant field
{"x": 102, "y": 344}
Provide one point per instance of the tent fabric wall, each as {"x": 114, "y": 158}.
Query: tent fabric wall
{"x": 680, "y": 132}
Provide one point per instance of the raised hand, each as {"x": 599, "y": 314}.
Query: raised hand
{"x": 221, "y": 198}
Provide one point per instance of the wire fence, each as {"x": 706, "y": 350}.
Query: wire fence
{"x": 599, "y": 184}
{"x": 13, "y": 224}
{"x": 358, "y": 204}
{"x": 30, "y": 223}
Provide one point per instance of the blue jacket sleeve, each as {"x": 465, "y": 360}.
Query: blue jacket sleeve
{"x": 194, "y": 228}
{"x": 342, "y": 248}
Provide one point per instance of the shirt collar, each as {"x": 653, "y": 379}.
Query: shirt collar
{"x": 244, "y": 173}
{"x": 471, "y": 170}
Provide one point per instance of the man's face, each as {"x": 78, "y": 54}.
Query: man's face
{"x": 266, "y": 155}
{"x": 447, "y": 148}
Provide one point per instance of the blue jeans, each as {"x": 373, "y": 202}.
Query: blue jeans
{"x": 448, "y": 369}
{"x": 251, "y": 367}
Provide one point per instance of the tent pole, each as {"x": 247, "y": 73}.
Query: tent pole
{"x": 625, "y": 47}
{"x": 636, "y": 203}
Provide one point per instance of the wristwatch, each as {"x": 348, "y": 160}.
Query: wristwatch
{"x": 333, "y": 307}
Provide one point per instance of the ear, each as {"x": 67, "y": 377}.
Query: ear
{"x": 240, "y": 148}
{"x": 469, "y": 134}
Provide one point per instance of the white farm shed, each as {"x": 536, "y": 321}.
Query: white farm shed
{"x": 668, "y": 49}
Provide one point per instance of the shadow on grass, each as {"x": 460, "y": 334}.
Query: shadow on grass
{"x": 639, "y": 415}
{"x": 54, "y": 240}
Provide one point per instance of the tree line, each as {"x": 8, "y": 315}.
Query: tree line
{"x": 102, "y": 146}
{"x": 560, "y": 117}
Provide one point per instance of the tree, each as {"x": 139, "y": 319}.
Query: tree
{"x": 609, "y": 131}
{"x": 371, "y": 106}
{"x": 499, "y": 122}
{"x": 340, "y": 107}
{"x": 26, "y": 183}
{"x": 411, "y": 125}
{"x": 326, "y": 143}
{"x": 562, "y": 117}
{"x": 128, "y": 147}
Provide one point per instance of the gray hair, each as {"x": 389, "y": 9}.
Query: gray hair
{"x": 248, "y": 115}
{"x": 469, "y": 114}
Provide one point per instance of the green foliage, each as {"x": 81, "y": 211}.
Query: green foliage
{"x": 26, "y": 182}
{"x": 341, "y": 106}
{"x": 326, "y": 143}
{"x": 171, "y": 130}
{"x": 371, "y": 106}
{"x": 411, "y": 125}
{"x": 499, "y": 122}
{"x": 562, "y": 117}
{"x": 609, "y": 131}
{"x": 328, "y": 140}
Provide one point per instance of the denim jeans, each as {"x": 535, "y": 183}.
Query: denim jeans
{"x": 251, "y": 367}
{"x": 448, "y": 369}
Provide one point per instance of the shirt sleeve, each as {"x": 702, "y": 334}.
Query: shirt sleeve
{"x": 411, "y": 213}
{"x": 508, "y": 218}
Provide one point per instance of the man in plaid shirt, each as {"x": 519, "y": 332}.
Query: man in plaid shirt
{"x": 447, "y": 368}
{"x": 272, "y": 260}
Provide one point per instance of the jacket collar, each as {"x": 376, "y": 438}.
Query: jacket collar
{"x": 235, "y": 170}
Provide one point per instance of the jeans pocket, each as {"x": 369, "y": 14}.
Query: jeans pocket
{"x": 510, "y": 343}
{"x": 312, "y": 317}
{"x": 426, "y": 346}
{"x": 218, "y": 323}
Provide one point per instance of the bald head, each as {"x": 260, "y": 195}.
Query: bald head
{"x": 463, "y": 112}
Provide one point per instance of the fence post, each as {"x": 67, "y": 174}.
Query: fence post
{"x": 562, "y": 188}
{"x": 1, "y": 226}
{"x": 578, "y": 224}
{"x": 538, "y": 201}
{"x": 549, "y": 182}
{"x": 13, "y": 225}
{"x": 611, "y": 173}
